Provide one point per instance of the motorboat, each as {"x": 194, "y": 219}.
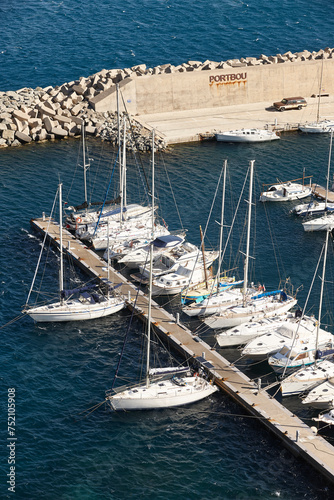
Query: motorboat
{"x": 168, "y": 262}
{"x": 324, "y": 223}
{"x": 161, "y": 244}
{"x": 313, "y": 208}
{"x": 322, "y": 396}
{"x": 183, "y": 277}
{"x": 302, "y": 352}
{"x": 286, "y": 191}
{"x": 321, "y": 127}
{"x": 281, "y": 335}
{"x": 325, "y": 419}
{"x": 246, "y": 332}
{"x": 306, "y": 378}
{"x": 247, "y": 135}
{"x": 126, "y": 233}
{"x": 257, "y": 307}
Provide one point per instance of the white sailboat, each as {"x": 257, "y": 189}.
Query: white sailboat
{"x": 164, "y": 392}
{"x": 247, "y": 135}
{"x": 305, "y": 352}
{"x": 287, "y": 191}
{"x": 246, "y": 332}
{"x": 88, "y": 305}
{"x": 282, "y": 337}
{"x": 326, "y": 222}
{"x": 319, "y": 126}
{"x": 255, "y": 306}
{"x": 320, "y": 370}
{"x": 210, "y": 296}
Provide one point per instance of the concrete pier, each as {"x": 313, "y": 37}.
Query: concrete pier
{"x": 294, "y": 434}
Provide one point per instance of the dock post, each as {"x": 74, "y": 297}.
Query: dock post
{"x": 69, "y": 245}
{"x": 43, "y": 216}
{"x": 297, "y": 436}
{"x": 177, "y": 318}
{"x": 258, "y": 385}
{"x": 129, "y": 295}
{"x": 203, "y": 355}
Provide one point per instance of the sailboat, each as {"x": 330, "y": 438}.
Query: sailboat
{"x": 319, "y": 126}
{"x": 205, "y": 298}
{"x": 303, "y": 351}
{"x": 164, "y": 388}
{"x": 89, "y": 305}
{"x": 255, "y": 305}
{"x": 326, "y": 222}
{"x": 85, "y": 213}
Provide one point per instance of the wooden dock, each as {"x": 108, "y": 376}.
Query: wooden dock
{"x": 320, "y": 192}
{"x": 295, "y": 434}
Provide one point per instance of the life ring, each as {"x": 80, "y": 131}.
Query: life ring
{"x": 79, "y": 220}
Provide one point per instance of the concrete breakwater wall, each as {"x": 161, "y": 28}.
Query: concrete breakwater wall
{"x": 56, "y": 112}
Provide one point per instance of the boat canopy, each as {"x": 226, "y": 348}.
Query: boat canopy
{"x": 167, "y": 241}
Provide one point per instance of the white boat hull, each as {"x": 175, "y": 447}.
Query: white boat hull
{"x": 163, "y": 394}
{"x": 235, "y": 316}
{"x": 305, "y": 379}
{"x": 248, "y": 331}
{"x": 74, "y": 310}
{"x": 320, "y": 224}
{"x": 321, "y": 397}
{"x": 284, "y": 192}
{"x": 247, "y": 135}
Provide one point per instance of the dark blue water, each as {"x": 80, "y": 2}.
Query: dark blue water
{"x": 211, "y": 449}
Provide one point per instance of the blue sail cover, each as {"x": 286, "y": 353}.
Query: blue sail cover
{"x": 284, "y": 296}
{"x": 167, "y": 241}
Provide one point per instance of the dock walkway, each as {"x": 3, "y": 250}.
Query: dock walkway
{"x": 295, "y": 434}
{"x": 320, "y": 192}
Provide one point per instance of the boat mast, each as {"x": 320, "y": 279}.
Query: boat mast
{"x": 221, "y": 226}
{"x": 203, "y": 255}
{"x": 321, "y": 290}
{"x": 84, "y": 159}
{"x": 119, "y": 133}
{"x": 322, "y": 68}
{"x": 61, "y": 270}
{"x": 328, "y": 169}
{"x": 251, "y": 166}
{"x": 150, "y": 281}
{"x": 123, "y": 174}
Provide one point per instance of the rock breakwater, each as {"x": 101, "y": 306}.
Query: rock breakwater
{"x": 57, "y": 112}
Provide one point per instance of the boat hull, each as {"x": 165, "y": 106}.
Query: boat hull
{"x": 160, "y": 395}
{"x": 247, "y": 135}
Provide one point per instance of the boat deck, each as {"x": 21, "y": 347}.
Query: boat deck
{"x": 295, "y": 434}
{"x": 320, "y": 192}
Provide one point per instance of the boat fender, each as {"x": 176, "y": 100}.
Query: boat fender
{"x": 79, "y": 220}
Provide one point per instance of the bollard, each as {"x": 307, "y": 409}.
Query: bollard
{"x": 297, "y": 436}
{"x": 129, "y": 295}
{"x": 177, "y": 318}
{"x": 203, "y": 355}
{"x": 258, "y": 385}
{"x": 43, "y": 216}
{"x": 69, "y": 245}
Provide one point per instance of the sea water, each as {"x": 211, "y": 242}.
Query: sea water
{"x": 65, "y": 448}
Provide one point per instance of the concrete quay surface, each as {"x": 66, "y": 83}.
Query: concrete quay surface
{"x": 197, "y": 124}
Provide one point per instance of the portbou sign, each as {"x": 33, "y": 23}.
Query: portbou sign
{"x": 228, "y": 79}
